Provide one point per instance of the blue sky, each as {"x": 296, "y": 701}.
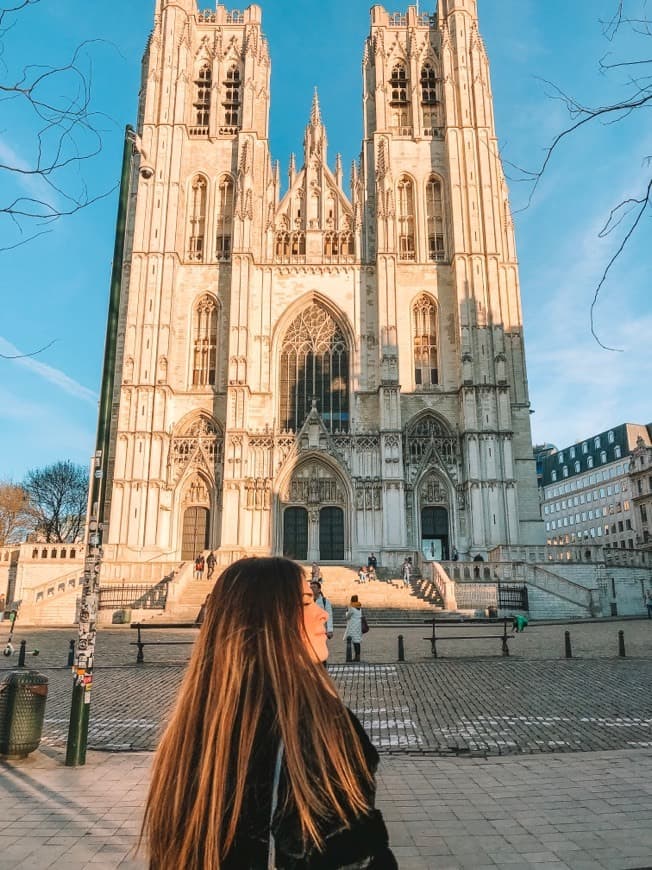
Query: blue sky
{"x": 56, "y": 287}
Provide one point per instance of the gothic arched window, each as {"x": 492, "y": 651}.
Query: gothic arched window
{"x": 202, "y": 104}
{"x": 224, "y": 228}
{"x": 399, "y": 84}
{"x": 428, "y": 85}
{"x": 424, "y": 329}
{"x": 231, "y": 101}
{"x": 435, "y": 219}
{"x": 314, "y": 365}
{"x": 197, "y": 219}
{"x": 204, "y": 347}
{"x": 406, "y": 246}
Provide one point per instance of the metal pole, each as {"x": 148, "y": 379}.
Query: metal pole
{"x": 401, "y": 649}
{"x": 85, "y": 657}
{"x": 349, "y": 649}
{"x": 567, "y": 645}
{"x": 621, "y": 644}
{"x": 21, "y": 654}
{"x": 71, "y": 654}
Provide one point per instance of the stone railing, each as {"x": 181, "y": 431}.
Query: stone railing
{"x": 619, "y": 558}
{"x": 55, "y": 587}
{"x": 560, "y": 587}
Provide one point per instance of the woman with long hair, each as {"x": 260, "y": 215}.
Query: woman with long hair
{"x": 261, "y": 764}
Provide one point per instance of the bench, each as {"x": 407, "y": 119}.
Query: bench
{"x": 500, "y": 626}
{"x": 141, "y": 644}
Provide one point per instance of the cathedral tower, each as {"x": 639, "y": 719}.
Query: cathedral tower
{"x": 315, "y": 372}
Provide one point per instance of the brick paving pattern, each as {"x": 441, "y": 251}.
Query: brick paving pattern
{"x": 486, "y": 706}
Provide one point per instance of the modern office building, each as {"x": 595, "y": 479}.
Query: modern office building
{"x": 588, "y": 490}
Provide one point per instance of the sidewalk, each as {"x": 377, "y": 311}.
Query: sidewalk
{"x": 580, "y": 811}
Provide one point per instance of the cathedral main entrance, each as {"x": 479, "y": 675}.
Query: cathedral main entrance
{"x": 195, "y": 532}
{"x": 295, "y": 533}
{"x": 434, "y": 534}
{"x": 314, "y": 515}
{"x": 331, "y": 534}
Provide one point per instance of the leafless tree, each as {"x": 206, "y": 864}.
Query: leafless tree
{"x": 57, "y": 498}
{"x": 625, "y": 218}
{"x": 16, "y": 519}
{"x": 50, "y": 130}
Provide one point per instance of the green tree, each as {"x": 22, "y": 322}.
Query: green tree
{"x": 57, "y": 497}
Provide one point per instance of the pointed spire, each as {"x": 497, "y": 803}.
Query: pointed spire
{"x": 314, "y": 141}
{"x": 338, "y": 170}
{"x": 292, "y": 171}
{"x": 315, "y": 114}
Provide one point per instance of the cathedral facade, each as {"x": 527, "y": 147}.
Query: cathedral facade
{"x": 309, "y": 369}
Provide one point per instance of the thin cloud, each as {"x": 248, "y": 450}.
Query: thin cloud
{"x": 48, "y": 373}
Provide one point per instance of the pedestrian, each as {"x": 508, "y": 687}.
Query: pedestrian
{"x": 354, "y": 625}
{"x": 210, "y": 564}
{"x": 325, "y": 604}
{"x": 407, "y": 572}
{"x": 315, "y": 572}
{"x": 199, "y": 566}
{"x": 371, "y": 574}
{"x": 648, "y": 603}
{"x": 362, "y": 574}
{"x": 372, "y": 562}
{"x": 278, "y": 772}
{"x": 455, "y": 555}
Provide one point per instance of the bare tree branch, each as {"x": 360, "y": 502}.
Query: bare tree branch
{"x": 53, "y": 130}
{"x": 26, "y": 355}
{"x": 639, "y": 96}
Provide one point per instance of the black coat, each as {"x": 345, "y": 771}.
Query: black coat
{"x": 363, "y": 845}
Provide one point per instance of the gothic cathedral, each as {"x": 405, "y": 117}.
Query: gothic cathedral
{"x": 320, "y": 371}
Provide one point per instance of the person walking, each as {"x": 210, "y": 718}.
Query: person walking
{"x": 278, "y": 772}
{"x": 407, "y": 572}
{"x": 210, "y": 564}
{"x": 354, "y": 626}
{"x": 325, "y": 604}
{"x": 199, "y": 566}
{"x": 648, "y": 603}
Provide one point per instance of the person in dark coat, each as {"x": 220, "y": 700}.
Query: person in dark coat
{"x": 278, "y": 773}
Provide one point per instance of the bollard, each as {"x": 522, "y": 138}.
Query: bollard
{"x": 21, "y": 654}
{"x": 621, "y": 644}
{"x": 71, "y": 654}
{"x": 349, "y": 650}
{"x": 401, "y": 649}
{"x": 567, "y": 645}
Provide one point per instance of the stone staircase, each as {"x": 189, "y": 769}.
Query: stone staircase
{"x": 384, "y": 600}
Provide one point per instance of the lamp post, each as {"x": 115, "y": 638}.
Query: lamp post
{"x": 85, "y": 655}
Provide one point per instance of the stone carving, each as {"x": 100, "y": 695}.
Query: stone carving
{"x": 200, "y": 444}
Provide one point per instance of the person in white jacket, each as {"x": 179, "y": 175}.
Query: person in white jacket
{"x": 354, "y": 625}
{"x": 325, "y": 604}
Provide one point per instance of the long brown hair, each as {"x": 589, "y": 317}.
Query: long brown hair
{"x": 250, "y": 660}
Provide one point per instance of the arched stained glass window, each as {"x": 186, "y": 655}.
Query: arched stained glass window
{"x": 314, "y": 365}
{"x": 204, "y": 351}
{"x": 424, "y": 320}
{"x": 224, "y": 229}
{"x": 435, "y": 220}
{"x": 406, "y": 245}
{"x": 197, "y": 220}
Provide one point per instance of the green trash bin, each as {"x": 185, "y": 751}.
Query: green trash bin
{"x": 23, "y": 694}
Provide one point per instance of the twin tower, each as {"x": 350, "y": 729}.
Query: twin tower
{"x": 308, "y": 367}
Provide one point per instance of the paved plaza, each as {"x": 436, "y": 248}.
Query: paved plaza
{"x": 526, "y": 761}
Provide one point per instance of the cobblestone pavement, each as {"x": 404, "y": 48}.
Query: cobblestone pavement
{"x": 487, "y": 706}
{"x": 587, "y": 811}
